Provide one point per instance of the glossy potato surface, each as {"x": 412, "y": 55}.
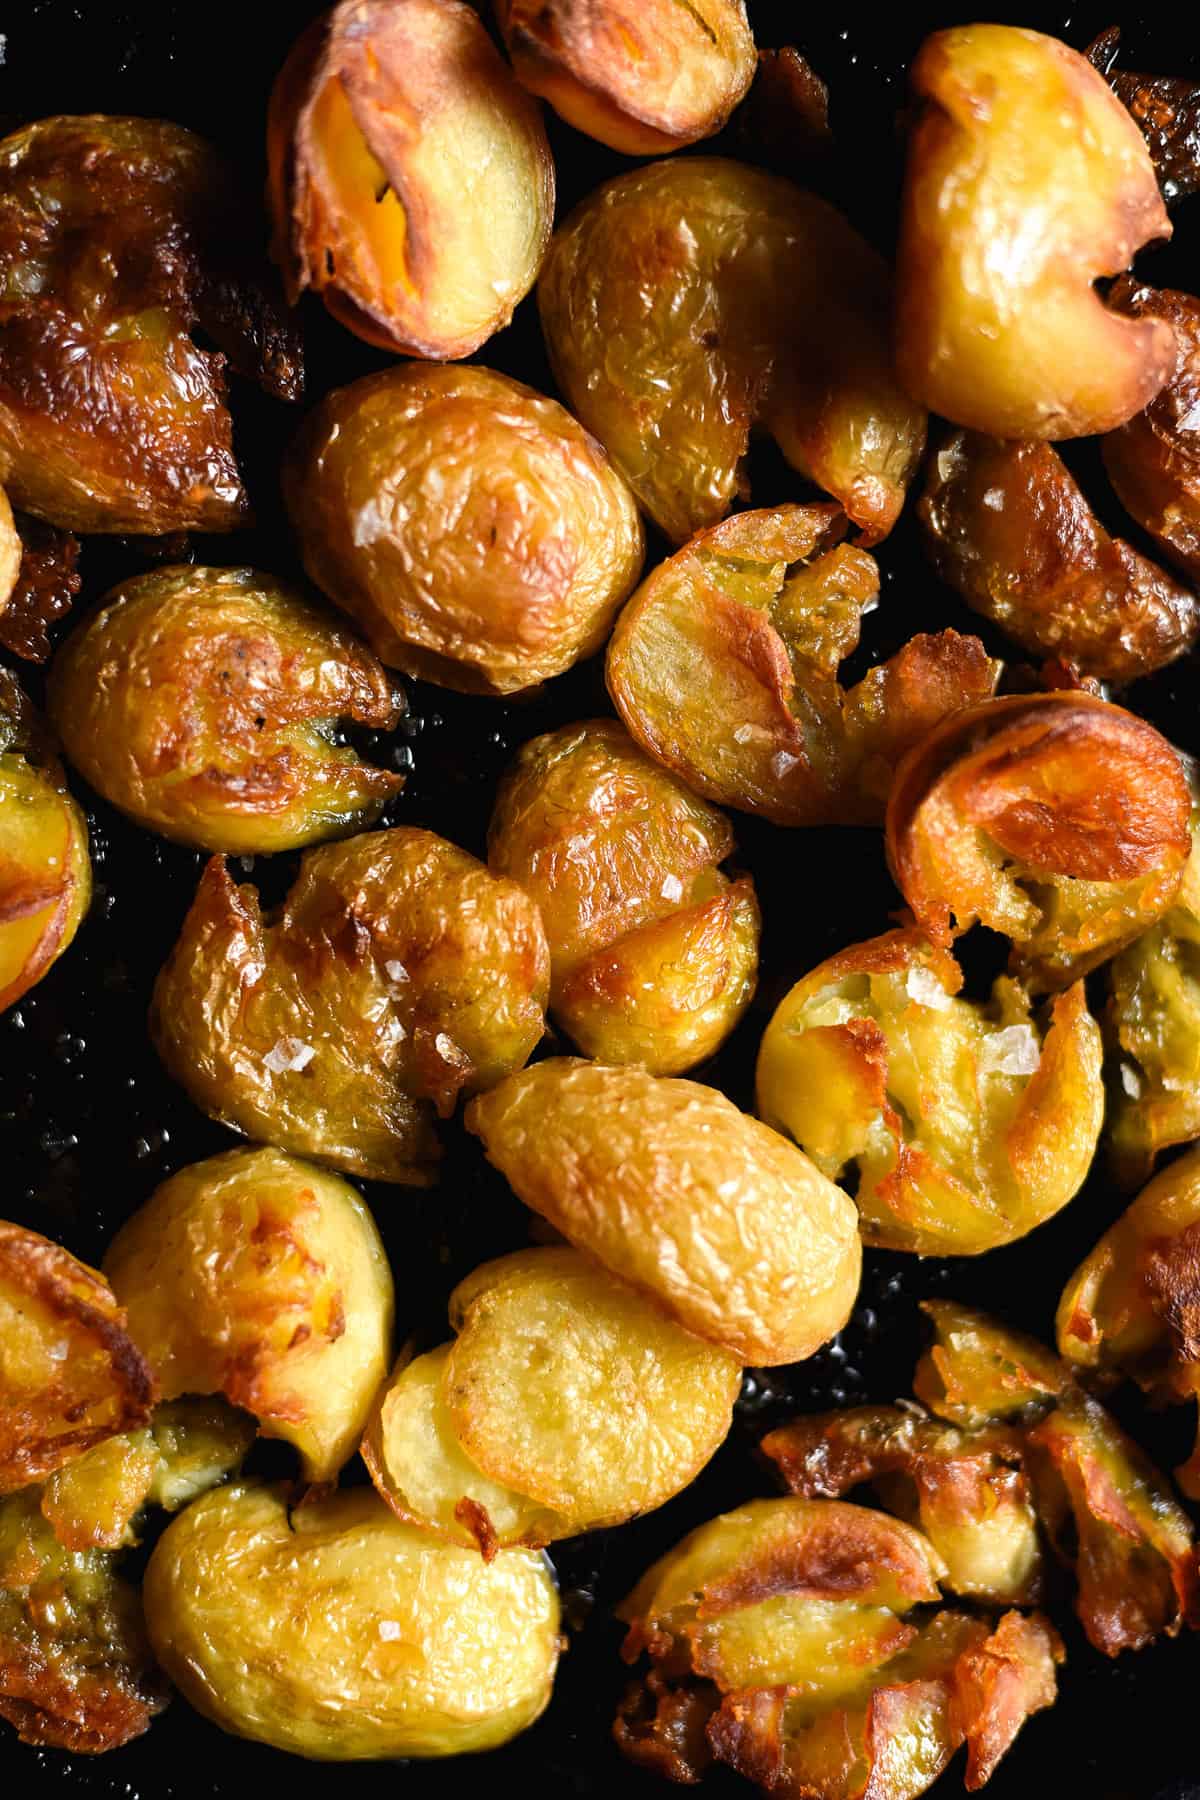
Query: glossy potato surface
{"x": 1153, "y": 461}
{"x": 10, "y": 551}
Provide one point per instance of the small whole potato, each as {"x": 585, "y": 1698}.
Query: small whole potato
{"x": 476, "y": 534}
{"x": 336, "y": 1632}
{"x": 410, "y": 180}
{"x": 1153, "y": 461}
{"x": 203, "y": 703}
{"x": 257, "y": 1276}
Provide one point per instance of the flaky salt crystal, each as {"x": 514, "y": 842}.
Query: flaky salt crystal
{"x": 288, "y": 1056}
{"x": 1013, "y": 1051}
{"x": 1131, "y": 1081}
{"x": 923, "y": 986}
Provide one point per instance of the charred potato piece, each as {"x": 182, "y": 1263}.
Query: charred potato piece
{"x": 203, "y": 703}
{"x": 257, "y": 1276}
{"x": 968, "y": 1125}
{"x": 653, "y": 950}
{"x": 686, "y": 303}
{"x": 397, "y": 973}
{"x": 978, "y": 1372}
{"x": 1026, "y": 181}
{"x": 1167, "y": 109}
{"x": 1059, "y": 820}
{"x": 724, "y": 668}
{"x": 643, "y": 79}
{"x": 1153, "y": 461}
{"x": 410, "y": 180}
{"x": 337, "y": 1632}
{"x": 476, "y": 534}
{"x": 722, "y": 1223}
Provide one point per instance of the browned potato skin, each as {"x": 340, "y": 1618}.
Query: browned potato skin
{"x": 643, "y": 79}
{"x": 688, "y": 302}
{"x": 406, "y": 969}
{"x": 1153, "y": 461}
{"x": 506, "y": 570}
{"x": 46, "y": 587}
{"x": 10, "y": 552}
{"x": 1008, "y": 527}
{"x": 1167, "y": 109}
{"x": 1026, "y": 181}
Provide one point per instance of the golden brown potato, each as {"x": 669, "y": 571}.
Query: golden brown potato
{"x": 120, "y": 238}
{"x": 1009, "y": 528}
{"x": 411, "y": 183}
{"x": 724, "y": 668}
{"x": 203, "y": 703}
{"x": 257, "y": 1276}
{"x": 1167, "y": 109}
{"x": 642, "y": 78}
{"x": 397, "y": 974}
{"x": 338, "y": 1633}
{"x": 978, "y": 1372}
{"x": 476, "y": 534}
{"x": 1058, "y": 820}
{"x": 968, "y": 1124}
{"x": 1026, "y": 182}
{"x": 1153, "y": 461}
{"x": 689, "y": 302}
{"x": 653, "y": 951}
{"x": 10, "y": 552}
{"x": 722, "y": 1223}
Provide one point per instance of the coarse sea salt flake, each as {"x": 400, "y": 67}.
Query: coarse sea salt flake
{"x": 389, "y": 1630}
{"x": 923, "y": 986}
{"x": 1013, "y": 1051}
{"x": 395, "y": 971}
{"x": 288, "y": 1055}
{"x": 672, "y": 888}
{"x": 1131, "y": 1081}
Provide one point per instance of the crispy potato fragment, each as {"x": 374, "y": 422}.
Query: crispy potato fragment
{"x": 1167, "y": 109}
{"x": 686, "y": 303}
{"x": 1153, "y": 460}
{"x": 1026, "y": 181}
{"x": 397, "y": 974}
{"x": 977, "y": 1372}
{"x": 46, "y": 586}
{"x": 410, "y": 180}
{"x": 728, "y": 1228}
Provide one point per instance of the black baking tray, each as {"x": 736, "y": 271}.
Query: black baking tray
{"x": 89, "y": 1123}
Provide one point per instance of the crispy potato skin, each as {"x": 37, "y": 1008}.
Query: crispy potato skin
{"x": 202, "y": 702}
{"x": 687, "y": 302}
{"x": 1059, "y": 820}
{"x": 477, "y": 534}
{"x": 721, "y": 1222}
{"x": 1009, "y": 528}
{"x": 643, "y": 79}
{"x": 1026, "y": 180}
{"x": 1153, "y": 461}
{"x": 408, "y": 1647}
{"x": 410, "y": 179}
{"x": 1167, "y": 110}
{"x": 260, "y": 1277}
{"x": 46, "y": 586}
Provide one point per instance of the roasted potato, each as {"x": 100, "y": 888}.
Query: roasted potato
{"x": 653, "y": 950}
{"x": 119, "y": 239}
{"x": 1059, "y": 820}
{"x": 397, "y": 973}
{"x": 1026, "y": 182}
{"x": 477, "y": 535}
{"x": 967, "y": 1124}
{"x": 978, "y": 1372}
{"x": 643, "y": 79}
{"x": 722, "y": 1223}
{"x": 724, "y": 668}
{"x": 410, "y": 180}
{"x": 10, "y": 552}
{"x": 1167, "y": 109}
{"x": 257, "y": 1276}
{"x": 1153, "y": 460}
{"x": 336, "y": 1632}
{"x": 686, "y": 303}
{"x": 1009, "y": 528}
{"x": 47, "y": 585}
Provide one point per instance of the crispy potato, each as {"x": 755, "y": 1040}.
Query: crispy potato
{"x": 978, "y": 1372}
{"x": 1058, "y": 820}
{"x": 112, "y": 414}
{"x": 338, "y": 1633}
{"x": 686, "y": 303}
{"x": 1026, "y": 181}
{"x": 410, "y": 180}
{"x": 1167, "y": 109}
{"x": 722, "y": 1223}
{"x": 641, "y": 78}
{"x": 203, "y": 703}
{"x": 1153, "y": 460}
{"x": 47, "y": 584}
{"x": 257, "y": 1276}
{"x": 968, "y": 1125}
{"x": 1009, "y": 528}
{"x": 653, "y": 951}
{"x": 477, "y": 535}
{"x": 724, "y": 668}
{"x": 397, "y": 973}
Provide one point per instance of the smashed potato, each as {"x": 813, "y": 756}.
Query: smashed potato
{"x": 410, "y": 180}
{"x": 1026, "y": 182}
{"x": 257, "y": 1276}
{"x": 686, "y": 303}
{"x": 653, "y": 951}
{"x": 339, "y": 1633}
{"x": 476, "y": 534}
{"x": 724, "y": 668}
{"x": 967, "y": 1124}
{"x": 1153, "y": 461}
{"x": 977, "y": 1372}
{"x": 397, "y": 974}
{"x": 722, "y": 1223}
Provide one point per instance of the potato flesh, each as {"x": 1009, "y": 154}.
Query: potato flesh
{"x": 10, "y": 552}
{"x": 978, "y": 1372}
